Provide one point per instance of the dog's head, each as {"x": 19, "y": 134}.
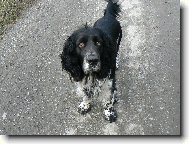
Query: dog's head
{"x": 87, "y": 51}
{"x": 88, "y": 47}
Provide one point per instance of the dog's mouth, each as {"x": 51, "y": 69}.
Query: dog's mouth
{"x": 90, "y": 67}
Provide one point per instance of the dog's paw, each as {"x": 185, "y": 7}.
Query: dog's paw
{"x": 110, "y": 114}
{"x": 84, "y": 108}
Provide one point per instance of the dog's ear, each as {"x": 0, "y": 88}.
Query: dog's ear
{"x": 108, "y": 58}
{"x": 70, "y": 60}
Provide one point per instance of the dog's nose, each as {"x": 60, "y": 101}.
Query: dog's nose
{"x": 92, "y": 59}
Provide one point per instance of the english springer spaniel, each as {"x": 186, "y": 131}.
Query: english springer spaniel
{"x": 89, "y": 56}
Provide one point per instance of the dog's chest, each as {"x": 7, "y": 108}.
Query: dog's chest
{"x": 91, "y": 86}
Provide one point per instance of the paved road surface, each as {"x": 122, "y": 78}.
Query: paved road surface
{"x": 36, "y": 97}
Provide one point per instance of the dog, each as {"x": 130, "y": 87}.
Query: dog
{"x": 89, "y": 56}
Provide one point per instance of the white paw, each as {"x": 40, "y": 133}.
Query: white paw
{"x": 84, "y": 107}
{"x": 110, "y": 114}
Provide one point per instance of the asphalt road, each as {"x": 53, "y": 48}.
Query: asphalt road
{"x": 37, "y": 97}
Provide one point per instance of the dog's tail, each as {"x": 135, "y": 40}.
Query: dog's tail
{"x": 112, "y": 8}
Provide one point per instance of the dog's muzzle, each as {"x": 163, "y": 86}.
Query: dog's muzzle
{"x": 91, "y": 63}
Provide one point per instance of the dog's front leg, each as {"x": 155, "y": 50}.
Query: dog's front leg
{"x": 109, "y": 98}
{"x": 85, "y": 92}
{"x": 85, "y": 105}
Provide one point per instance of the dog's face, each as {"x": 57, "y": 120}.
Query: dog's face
{"x": 86, "y": 51}
{"x": 88, "y": 46}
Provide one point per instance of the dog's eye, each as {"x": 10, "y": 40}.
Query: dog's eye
{"x": 81, "y": 45}
{"x": 98, "y": 43}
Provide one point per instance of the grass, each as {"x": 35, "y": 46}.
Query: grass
{"x": 10, "y": 10}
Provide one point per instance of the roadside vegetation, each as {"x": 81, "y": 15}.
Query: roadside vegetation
{"x": 10, "y": 10}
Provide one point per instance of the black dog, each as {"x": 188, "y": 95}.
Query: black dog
{"x": 89, "y": 56}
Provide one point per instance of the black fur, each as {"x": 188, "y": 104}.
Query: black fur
{"x": 109, "y": 29}
{"x": 90, "y": 54}
{"x": 70, "y": 60}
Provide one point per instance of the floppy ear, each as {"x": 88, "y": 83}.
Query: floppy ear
{"x": 108, "y": 57}
{"x": 70, "y": 60}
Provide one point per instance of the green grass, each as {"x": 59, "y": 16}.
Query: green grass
{"x": 10, "y": 10}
